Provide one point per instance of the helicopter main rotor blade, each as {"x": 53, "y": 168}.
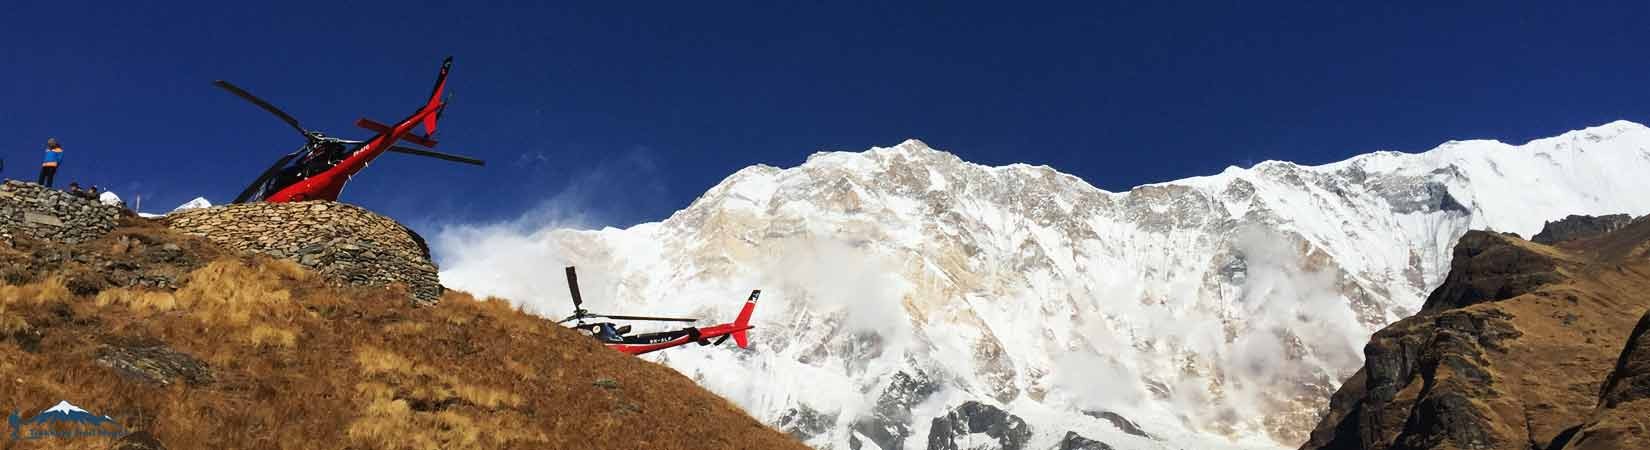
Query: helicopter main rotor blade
{"x": 437, "y": 155}
{"x": 259, "y": 182}
{"x": 573, "y": 286}
{"x": 655, "y": 319}
{"x": 243, "y": 94}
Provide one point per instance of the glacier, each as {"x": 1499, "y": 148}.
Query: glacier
{"x": 1218, "y": 311}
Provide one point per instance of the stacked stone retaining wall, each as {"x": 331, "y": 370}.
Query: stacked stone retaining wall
{"x": 39, "y": 212}
{"x": 344, "y": 242}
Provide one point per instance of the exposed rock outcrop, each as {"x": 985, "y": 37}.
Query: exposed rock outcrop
{"x": 1010, "y": 432}
{"x": 1489, "y": 267}
{"x": 154, "y": 364}
{"x": 1122, "y": 423}
{"x": 1630, "y": 381}
{"x": 1579, "y": 227}
{"x": 133, "y": 256}
{"x": 1624, "y": 402}
{"x": 803, "y": 422}
{"x": 1511, "y": 352}
{"x": 343, "y": 242}
{"x": 1074, "y": 441}
{"x": 39, "y": 212}
{"x": 887, "y": 426}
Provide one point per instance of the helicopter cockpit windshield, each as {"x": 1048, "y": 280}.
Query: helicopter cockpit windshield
{"x": 310, "y": 161}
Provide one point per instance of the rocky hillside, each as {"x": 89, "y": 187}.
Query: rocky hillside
{"x": 186, "y": 345}
{"x": 1524, "y": 346}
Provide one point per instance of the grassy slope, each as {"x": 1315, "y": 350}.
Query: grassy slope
{"x": 294, "y": 363}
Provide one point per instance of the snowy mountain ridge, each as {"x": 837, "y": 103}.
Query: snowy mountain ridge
{"x": 1209, "y": 312}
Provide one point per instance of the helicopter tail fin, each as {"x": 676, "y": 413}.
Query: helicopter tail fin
{"x": 435, "y": 105}
{"x": 744, "y": 320}
{"x": 430, "y": 119}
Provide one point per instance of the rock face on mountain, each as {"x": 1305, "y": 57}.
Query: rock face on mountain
{"x": 35, "y": 211}
{"x": 958, "y": 428}
{"x": 1074, "y": 441}
{"x": 1624, "y": 401}
{"x": 1222, "y": 311}
{"x": 889, "y": 424}
{"x": 1519, "y": 346}
{"x": 342, "y": 241}
{"x": 1122, "y": 423}
{"x": 1577, "y": 227}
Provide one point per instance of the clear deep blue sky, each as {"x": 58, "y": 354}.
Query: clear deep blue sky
{"x": 632, "y": 109}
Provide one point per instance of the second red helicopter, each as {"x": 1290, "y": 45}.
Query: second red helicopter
{"x": 616, "y": 336}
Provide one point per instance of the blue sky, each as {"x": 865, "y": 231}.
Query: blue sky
{"x": 630, "y": 110}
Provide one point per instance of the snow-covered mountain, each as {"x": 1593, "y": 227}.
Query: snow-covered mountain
{"x": 197, "y": 203}
{"x": 901, "y": 283}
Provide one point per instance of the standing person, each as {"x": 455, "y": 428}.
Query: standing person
{"x": 48, "y": 168}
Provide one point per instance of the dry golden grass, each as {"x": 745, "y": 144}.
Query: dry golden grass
{"x": 296, "y": 364}
{"x": 49, "y": 291}
{"x": 265, "y": 335}
{"x": 156, "y": 301}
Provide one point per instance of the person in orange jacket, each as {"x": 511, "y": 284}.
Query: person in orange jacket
{"x": 54, "y": 156}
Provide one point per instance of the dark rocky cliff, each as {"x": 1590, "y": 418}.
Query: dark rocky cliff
{"x": 1579, "y": 227}
{"x": 1623, "y": 411}
{"x": 1520, "y": 348}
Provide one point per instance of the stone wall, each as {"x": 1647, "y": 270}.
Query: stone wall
{"x": 35, "y": 211}
{"x": 344, "y": 242}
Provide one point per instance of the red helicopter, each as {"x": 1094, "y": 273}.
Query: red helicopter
{"x": 615, "y": 337}
{"x": 323, "y": 164}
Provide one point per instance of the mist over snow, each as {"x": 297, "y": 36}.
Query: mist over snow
{"x": 1216, "y": 311}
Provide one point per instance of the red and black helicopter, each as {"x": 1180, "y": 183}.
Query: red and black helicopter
{"x": 323, "y": 164}
{"x": 614, "y": 336}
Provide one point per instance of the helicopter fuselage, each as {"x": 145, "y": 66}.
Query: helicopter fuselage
{"x": 328, "y": 184}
